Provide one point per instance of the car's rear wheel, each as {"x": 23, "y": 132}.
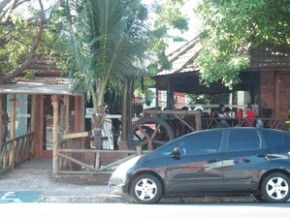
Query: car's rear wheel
{"x": 146, "y": 189}
{"x": 276, "y": 188}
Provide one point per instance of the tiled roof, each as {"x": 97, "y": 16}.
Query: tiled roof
{"x": 270, "y": 57}
{"x": 43, "y": 85}
{"x": 264, "y": 57}
{"x": 46, "y": 66}
{"x": 182, "y": 58}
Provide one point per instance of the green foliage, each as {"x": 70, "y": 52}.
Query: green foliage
{"x": 18, "y": 34}
{"x": 230, "y": 28}
{"x": 168, "y": 16}
{"x": 29, "y": 75}
{"x": 149, "y": 96}
{"x": 208, "y": 99}
{"x": 106, "y": 43}
{"x": 15, "y": 43}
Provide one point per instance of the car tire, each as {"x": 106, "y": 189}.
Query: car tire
{"x": 276, "y": 188}
{"x": 146, "y": 189}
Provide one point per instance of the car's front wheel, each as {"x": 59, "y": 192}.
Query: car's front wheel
{"x": 276, "y": 188}
{"x": 146, "y": 189}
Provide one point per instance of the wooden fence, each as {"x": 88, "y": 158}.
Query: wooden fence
{"x": 272, "y": 123}
{"x": 71, "y": 161}
{"x": 74, "y": 161}
{"x": 21, "y": 152}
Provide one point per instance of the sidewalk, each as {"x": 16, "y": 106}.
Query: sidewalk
{"x": 32, "y": 182}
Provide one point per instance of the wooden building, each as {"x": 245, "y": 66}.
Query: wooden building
{"x": 267, "y": 79}
{"x": 36, "y": 117}
{"x": 45, "y": 117}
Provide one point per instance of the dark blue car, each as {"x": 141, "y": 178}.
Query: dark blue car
{"x": 224, "y": 162}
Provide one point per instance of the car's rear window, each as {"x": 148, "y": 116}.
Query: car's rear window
{"x": 277, "y": 139}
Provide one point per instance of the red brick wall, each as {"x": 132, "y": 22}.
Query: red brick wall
{"x": 284, "y": 94}
{"x": 278, "y": 102}
{"x": 267, "y": 90}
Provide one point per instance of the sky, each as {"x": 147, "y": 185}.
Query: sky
{"x": 194, "y": 21}
{"x": 194, "y": 25}
{"x": 187, "y": 10}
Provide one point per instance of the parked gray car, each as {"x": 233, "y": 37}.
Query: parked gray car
{"x": 225, "y": 162}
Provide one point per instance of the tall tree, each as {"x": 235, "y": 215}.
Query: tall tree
{"x": 19, "y": 38}
{"x": 167, "y": 17}
{"x": 230, "y": 28}
{"x": 110, "y": 44}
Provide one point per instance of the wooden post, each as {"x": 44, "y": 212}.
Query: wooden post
{"x": 79, "y": 108}
{"x": 67, "y": 123}
{"x": 32, "y": 123}
{"x": 2, "y": 126}
{"x": 83, "y": 115}
{"x": 55, "y": 105}
{"x": 157, "y": 99}
{"x": 170, "y": 95}
{"x": 66, "y": 117}
{"x": 12, "y": 131}
{"x": 277, "y": 82}
{"x": 126, "y": 97}
{"x": 79, "y": 126}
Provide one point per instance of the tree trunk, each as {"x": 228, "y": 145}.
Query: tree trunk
{"x": 97, "y": 125}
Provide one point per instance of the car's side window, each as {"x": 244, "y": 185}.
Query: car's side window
{"x": 274, "y": 138}
{"x": 243, "y": 140}
{"x": 277, "y": 139}
{"x": 201, "y": 143}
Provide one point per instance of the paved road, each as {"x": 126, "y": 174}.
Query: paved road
{"x": 120, "y": 210}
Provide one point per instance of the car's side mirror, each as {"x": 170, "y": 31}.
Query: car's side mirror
{"x": 175, "y": 153}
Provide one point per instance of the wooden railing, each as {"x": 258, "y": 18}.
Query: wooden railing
{"x": 22, "y": 146}
{"x": 75, "y": 161}
{"x": 71, "y": 161}
{"x": 273, "y": 123}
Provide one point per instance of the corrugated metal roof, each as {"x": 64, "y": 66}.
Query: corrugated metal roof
{"x": 51, "y": 85}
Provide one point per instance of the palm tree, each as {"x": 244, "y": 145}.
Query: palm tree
{"x": 108, "y": 43}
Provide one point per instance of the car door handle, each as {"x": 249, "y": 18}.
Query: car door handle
{"x": 261, "y": 155}
{"x": 213, "y": 160}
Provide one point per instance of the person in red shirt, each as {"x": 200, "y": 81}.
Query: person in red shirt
{"x": 250, "y": 115}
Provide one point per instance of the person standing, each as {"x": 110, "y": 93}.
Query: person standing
{"x": 221, "y": 116}
{"x": 250, "y": 116}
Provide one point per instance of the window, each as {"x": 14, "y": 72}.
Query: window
{"x": 277, "y": 138}
{"x": 201, "y": 143}
{"x": 243, "y": 140}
